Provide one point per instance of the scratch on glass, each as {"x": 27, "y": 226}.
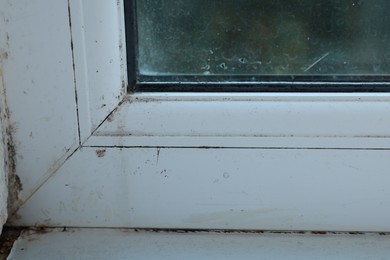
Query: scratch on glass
{"x": 317, "y": 61}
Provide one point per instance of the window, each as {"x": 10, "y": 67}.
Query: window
{"x": 258, "y": 46}
{"x": 282, "y": 161}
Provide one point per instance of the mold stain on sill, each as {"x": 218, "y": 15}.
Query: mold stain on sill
{"x": 7, "y": 240}
{"x": 11, "y": 234}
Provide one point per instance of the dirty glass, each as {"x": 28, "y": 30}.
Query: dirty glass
{"x": 248, "y": 37}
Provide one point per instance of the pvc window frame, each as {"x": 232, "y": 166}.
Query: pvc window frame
{"x": 111, "y": 117}
{"x": 76, "y": 147}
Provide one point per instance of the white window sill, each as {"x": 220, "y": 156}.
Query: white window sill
{"x": 127, "y": 244}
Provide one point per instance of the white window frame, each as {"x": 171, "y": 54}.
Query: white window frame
{"x": 340, "y": 128}
{"x": 300, "y": 120}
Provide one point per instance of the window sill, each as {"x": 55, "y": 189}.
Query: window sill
{"x": 127, "y": 244}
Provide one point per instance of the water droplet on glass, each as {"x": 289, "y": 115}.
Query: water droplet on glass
{"x": 206, "y": 67}
{"x": 223, "y": 66}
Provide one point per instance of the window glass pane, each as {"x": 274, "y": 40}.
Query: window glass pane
{"x": 248, "y": 37}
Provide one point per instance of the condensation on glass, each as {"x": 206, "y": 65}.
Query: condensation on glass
{"x": 248, "y": 37}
